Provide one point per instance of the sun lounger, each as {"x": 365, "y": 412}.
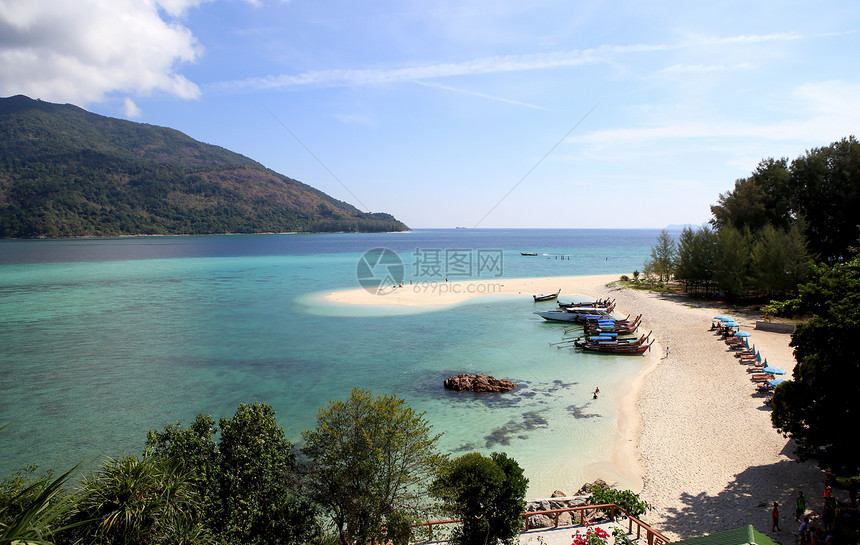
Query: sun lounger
{"x": 761, "y": 378}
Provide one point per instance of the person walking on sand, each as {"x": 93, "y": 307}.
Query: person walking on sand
{"x": 667, "y": 351}
{"x": 800, "y": 507}
{"x": 775, "y": 526}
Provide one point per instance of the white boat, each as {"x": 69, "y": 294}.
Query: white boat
{"x": 571, "y": 314}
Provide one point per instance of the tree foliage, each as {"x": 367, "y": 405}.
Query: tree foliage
{"x": 734, "y": 263}
{"x": 738, "y": 261}
{"x": 626, "y": 499}
{"x": 36, "y": 509}
{"x": 487, "y": 493}
{"x": 662, "y": 260}
{"x": 247, "y": 483}
{"x": 762, "y": 199}
{"x": 373, "y": 459}
{"x": 818, "y": 407}
{"x": 697, "y": 255}
{"x": 142, "y": 501}
{"x": 820, "y": 188}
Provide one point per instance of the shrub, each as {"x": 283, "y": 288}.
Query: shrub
{"x": 487, "y": 493}
{"x": 625, "y": 499}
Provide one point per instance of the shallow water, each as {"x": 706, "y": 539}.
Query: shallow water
{"x": 103, "y": 339}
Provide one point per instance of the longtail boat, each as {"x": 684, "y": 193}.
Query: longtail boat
{"x": 612, "y": 340}
{"x": 598, "y": 327}
{"x": 572, "y": 314}
{"x": 604, "y": 303}
{"x": 546, "y": 296}
{"x": 613, "y": 349}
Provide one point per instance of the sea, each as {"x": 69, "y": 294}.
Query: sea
{"x": 103, "y": 339}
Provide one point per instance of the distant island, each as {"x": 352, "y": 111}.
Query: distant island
{"x": 66, "y": 172}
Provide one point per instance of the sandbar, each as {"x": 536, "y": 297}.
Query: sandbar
{"x": 442, "y": 294}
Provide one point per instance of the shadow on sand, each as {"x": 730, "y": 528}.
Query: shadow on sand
{"x": 748, "y": 500}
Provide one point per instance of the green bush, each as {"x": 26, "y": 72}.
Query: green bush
{"x": 625, "y": 499}
{"x": 487, "y": 493}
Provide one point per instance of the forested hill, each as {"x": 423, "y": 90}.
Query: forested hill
{"x": 66, "y": 172}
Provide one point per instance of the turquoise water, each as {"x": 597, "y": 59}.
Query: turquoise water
{"x": 104, "y": 339}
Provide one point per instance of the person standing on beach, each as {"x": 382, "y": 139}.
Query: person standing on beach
{"x": 667, "y": 351}
{"x": 800, "y": 507}
{"x": 803, "y": 531}
{"x": 775, "y": 526}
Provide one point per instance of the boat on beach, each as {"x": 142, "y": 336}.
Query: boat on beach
{"x": 600, "y": 303}
{"x": 597, "y": 327}
{"x": 546, "y": 296}
{"x": 573, "y": 314}
{"x": 609, "y": 348}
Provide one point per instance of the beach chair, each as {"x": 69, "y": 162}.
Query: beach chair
{"x": 751, "y": 359}
{"x": 747, "y": 352}
{"x": 764, "y": 377}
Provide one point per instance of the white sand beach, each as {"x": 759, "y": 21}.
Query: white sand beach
{"x": 441, "y": 294}
{"x": 693, "y": 437}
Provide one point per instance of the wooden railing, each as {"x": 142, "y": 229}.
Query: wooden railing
{"x": 652, "y": 536}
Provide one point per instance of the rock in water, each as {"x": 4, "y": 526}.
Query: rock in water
{"x": 481, "y": 382}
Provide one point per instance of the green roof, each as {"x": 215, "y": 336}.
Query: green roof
{"x": 738, "y": 536}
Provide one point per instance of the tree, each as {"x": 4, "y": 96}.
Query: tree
{"x": 779, "y": 260}
{"x": 193, "y": 451}
{"x": 248, "y": 483}
{"x": 762, "y": 199}
{"x": 256, "y": 480}
{"x": 733, "y": 260}
{"x": 826, "y": 193}
{"x": 487, "y": 493}
{"x": 141, "y": 501}
{"x": 373, "y": 459}
{"x": 818, "y": 407}
{"x": 662, "y": 260}
{"x": 697, "y": 256}
{"x": 743, "y": 207}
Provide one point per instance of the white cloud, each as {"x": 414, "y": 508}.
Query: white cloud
{"x": 703, "y": 68}
{"x": 82, "y": 51}
{"x": 817, "y": 107}
{"x": 130, "y": 108}
{"x": 478, "y": 94}
{"x": 484, "y": 65}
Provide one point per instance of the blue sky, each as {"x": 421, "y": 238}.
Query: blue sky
{"x": 489, "y": 114}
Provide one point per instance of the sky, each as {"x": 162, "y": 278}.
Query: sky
{"x": 539, "y": 114}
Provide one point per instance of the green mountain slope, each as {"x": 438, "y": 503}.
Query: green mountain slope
{"x": 66, "y": 172}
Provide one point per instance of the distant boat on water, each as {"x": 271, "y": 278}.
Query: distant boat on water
{"x": 528, "y": 253}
